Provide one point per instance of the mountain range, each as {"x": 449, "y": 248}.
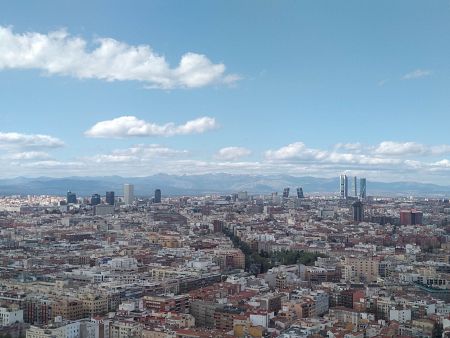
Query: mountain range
{"x": 206, "y": 184}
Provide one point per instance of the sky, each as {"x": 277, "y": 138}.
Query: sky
{"x": 306, "y": 88}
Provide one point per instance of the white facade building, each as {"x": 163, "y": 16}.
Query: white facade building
{"x": 10, "y": 316}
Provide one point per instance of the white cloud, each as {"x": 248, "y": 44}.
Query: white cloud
{"x": 354, "y": 147}
{"x": 442, "y": 164}
{"x": 53, "y": 164}
{"x": 232, "y": 153}
{"x": 440, "y": 149}
{"x": 150, "y": 150}
{"x": 29, "y": 155}
{"x": 416, "y": 74}
{"x": 129, "y": 126}
{"x": 297, "y": 150}
{"x": 18, "y": 140}
{"x": 138, "y": 153}
{"x": 58, "y": 53}
{"x": 18, "y": 150}
{"x": 294, "y": 159}
{"x": 353, "y": 156}
{"x": 389, "y": 148}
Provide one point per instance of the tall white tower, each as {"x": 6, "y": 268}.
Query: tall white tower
{"x": 128, "y": 194}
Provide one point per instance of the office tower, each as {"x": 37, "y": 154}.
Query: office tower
{"x": 362, "y": 188}
{"x": 110, "y": 198}
{"x": 157, "y": 196}
{"x": 242, "y": 196}
{"x": 95, "y": 199}
{"x": 71, "y": 197}
{"x": 286, "y": 193}
{"x": 344, "y": 186}
{"x": 358, "y": 211}
{"x": 355, "y": 186}
{"x": 128, "y": 194}
{"x": 300, "y": 192}
{"x": 411, "y": 217}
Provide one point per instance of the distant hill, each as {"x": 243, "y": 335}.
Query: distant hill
{"x": 203, "y": 184}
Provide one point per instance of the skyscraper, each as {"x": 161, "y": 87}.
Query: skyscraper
{"x": 355, "y": 186}
{"x": 71, "y": 197}
{"x": 286, "y": 193}
{"x": 110, "y": 198}
{"x": 344, "y": 186}
{"x": 157, "y": 198}
{"x": 95, "y": 199}
{"x": 358, "y": 211}
{"x": 128, "y": 194}
{"x": 362, "y": 188}
{"x": 300, "y": 192}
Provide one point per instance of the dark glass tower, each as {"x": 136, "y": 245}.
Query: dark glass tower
{"x": 110, "y": 198}
{"x": 358, "y": 211}
{"x": 157, "y": 198}
{"x": 362, "y": 188}
{"x": 71, "y": 197}
{"x": 95, "y": 199}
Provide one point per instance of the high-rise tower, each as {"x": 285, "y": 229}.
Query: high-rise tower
{"x": 343, "y": 180}
{"x": 128, "y": 194}
{"x": 157, "y": 198}
{"x": 362, "y": 188}
{"x": 110, "y": 198}
{"x": 71, "y": 198}
{"x": 95, "y": 199}
{"x": 358, "y": 211}
{"x": 300, "y": 193}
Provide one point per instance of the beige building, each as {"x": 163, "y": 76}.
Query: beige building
{"x": 361, "y": 269}
{"x": 68, "y": 308}
{"x": 95, "y": 304}
{"x": 125, "y": 329}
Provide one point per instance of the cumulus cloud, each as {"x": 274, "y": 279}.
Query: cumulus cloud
{"x": 445, "y": 163}
{"x": 28, "y": 155}
{"x": 150, "y": 150}
{"x": 390, "y": 148}
{"x": 353, "y": 155}
{"x": 297, "y": 150}
{"x": 58, "y": 53}
{"x": 18, "y": 150}
{"x": 416, "y": 74}
{"x": 295, "y": 159}
{"x": 18, "y": 140}
{"x": 139, "y": 152}
{"x": 232, "y": 153}
{"x": 354, "y": 147}
{"x": 440, "y": 149}
{"x": 53, "y": 164}
{"x": 129, "y": 126}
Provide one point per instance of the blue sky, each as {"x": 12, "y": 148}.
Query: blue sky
{"x": 300, "y": 87}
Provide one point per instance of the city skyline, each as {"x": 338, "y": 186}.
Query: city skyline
{"x": 193, "y": 88}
